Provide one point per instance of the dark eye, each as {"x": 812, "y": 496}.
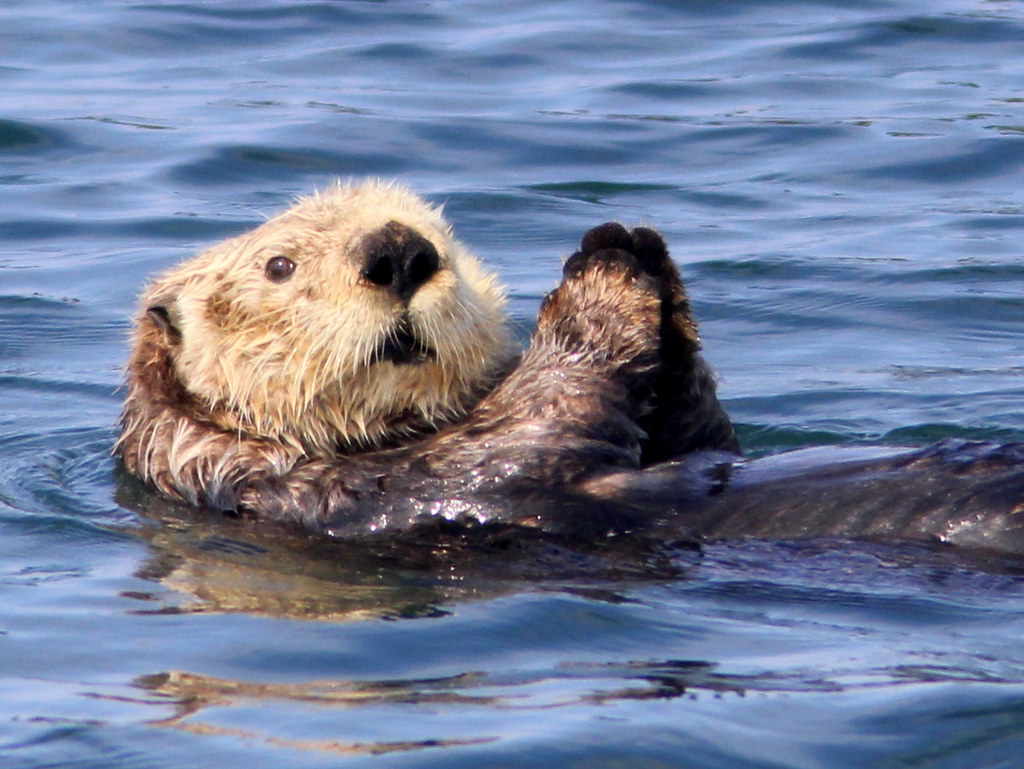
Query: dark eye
{"x": 279, "y": 269}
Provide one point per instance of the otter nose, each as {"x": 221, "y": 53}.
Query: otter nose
{"x": 399, "y": 259}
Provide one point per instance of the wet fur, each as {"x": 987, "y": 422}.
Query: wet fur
{"x": 609, "y": 424}
{"x": 585, "y": 400}
{"x": 232, "y": 374}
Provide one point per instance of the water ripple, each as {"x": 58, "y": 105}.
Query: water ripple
{"x": 840, "y": 182}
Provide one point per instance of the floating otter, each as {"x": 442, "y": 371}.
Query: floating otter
{"x": 305, "y": 372}
{"x": 247, "y": 377}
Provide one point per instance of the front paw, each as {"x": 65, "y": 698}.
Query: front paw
{"x": 608, "y": 247}
{"x": 642, "y": 243}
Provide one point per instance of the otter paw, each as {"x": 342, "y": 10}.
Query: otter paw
{"x": 607, "y": 235}
{"x": 605, "y": 260}
{"x": 652, "y": 252}
{"x": 605, "y": 294}
{"x": 606, "y": 246}
{"x": 643, "y": 243}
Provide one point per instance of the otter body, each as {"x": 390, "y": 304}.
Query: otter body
{"x": 966, "y": 493}
{"x": 345, "y": 368}
{"x": 956, "y": 492}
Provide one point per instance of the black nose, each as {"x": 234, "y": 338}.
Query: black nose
{"x": 399, "y": 259}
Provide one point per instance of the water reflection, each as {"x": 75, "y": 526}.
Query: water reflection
{"x": 192, "y": 694}
{"x": 227, "y": 565}
{"x": 566, "y": 687}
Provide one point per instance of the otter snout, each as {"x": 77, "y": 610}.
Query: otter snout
{"x": 399, "y": 259}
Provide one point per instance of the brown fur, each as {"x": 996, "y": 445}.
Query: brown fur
{"x": 686, "y": 414}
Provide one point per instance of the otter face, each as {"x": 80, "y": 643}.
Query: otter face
{"x": 349, "y": 320}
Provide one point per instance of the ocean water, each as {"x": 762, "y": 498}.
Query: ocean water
{"x": 842, "y": 185}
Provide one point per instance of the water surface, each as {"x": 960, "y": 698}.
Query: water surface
{"x": 841, "y": 183}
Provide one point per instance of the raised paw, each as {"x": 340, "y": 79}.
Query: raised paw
{"x": 647, "y": 248}
{"x": 643, "y": 243}
{"x": 606, "y": 314}
{"x": 606, "y": 255}
{"x": 607, "y": 235}
{"x": 686, "y": 413}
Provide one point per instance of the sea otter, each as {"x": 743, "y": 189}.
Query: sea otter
{"x": 328, "y": 368}
{"x": 608, "y": 423}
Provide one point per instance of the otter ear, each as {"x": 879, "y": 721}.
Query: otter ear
{"x": 162, "y": 316}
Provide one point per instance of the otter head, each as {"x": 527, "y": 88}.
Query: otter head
{"x": 348, "y": 321}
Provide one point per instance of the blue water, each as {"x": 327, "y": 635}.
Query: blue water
{"x": 842, "y": 185}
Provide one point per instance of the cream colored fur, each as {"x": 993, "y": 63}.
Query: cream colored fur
{"x": 293, "y": 362}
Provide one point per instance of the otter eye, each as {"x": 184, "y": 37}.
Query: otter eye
{"x": 279, "y": 269}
